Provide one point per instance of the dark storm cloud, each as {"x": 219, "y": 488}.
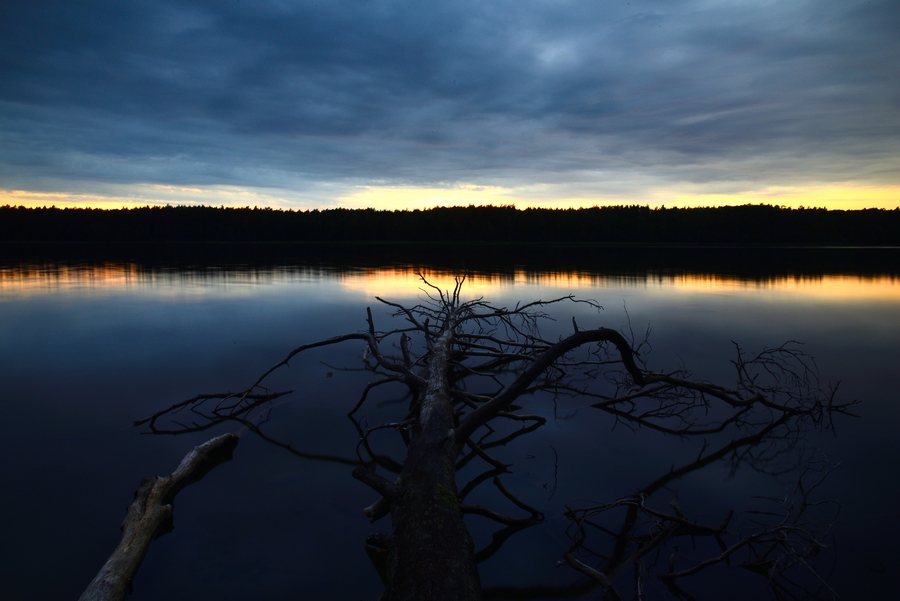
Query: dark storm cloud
{"x": 285, "y": 93}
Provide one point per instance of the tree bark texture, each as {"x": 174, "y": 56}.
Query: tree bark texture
{"x": 430, "y": 552}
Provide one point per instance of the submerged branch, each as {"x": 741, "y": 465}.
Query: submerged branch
{"x": 150, "y": 516}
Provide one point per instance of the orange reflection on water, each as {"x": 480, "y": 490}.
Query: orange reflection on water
{"x": 34, "y": 280}
{"x": 38, "y": 279}
{"x": 825, "y": 287}
{"x": 405, "y": 282}
{"x": 398, "y": 282}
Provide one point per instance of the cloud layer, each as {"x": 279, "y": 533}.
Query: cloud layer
{"x": 553, "y": 98}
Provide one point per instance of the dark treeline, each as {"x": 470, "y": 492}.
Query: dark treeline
{"x": 749, "y": 225}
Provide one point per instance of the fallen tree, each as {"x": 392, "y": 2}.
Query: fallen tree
{"x": 467, "y": 369}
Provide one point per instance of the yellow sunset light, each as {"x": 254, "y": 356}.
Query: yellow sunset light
{"x": 840, "y": 197}
{"x": 398, "y": 198}
{"x": 142, "y": 195}
{"x": 402, "y": 283}
{"x": 64, "y": 200}
{"x": 834, "y": 197}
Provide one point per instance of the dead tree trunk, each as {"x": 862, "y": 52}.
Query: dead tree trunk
{"x": 430, "y": 551}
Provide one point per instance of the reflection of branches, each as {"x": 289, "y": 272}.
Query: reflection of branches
{"x": 774, "y": 401}
{"x": 210, "y": 410}
{"x": 464, "y": 370}
{"x": 779, "y": 545}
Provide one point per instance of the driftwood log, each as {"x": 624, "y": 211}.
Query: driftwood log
{"x": 150, "y": 515}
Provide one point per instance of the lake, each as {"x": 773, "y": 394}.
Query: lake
{"x": 88, "y": 346}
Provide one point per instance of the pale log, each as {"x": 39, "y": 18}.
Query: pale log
{"x": 150, "y": 515}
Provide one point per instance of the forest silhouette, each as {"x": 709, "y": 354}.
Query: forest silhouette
{"x": 748, "y": 225}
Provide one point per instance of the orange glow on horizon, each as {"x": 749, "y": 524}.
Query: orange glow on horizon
{"x": 144, "y": 195}
{"x": 834, "y": 197}
{"x": 63, "y": 200}
{"x": 841, "y": 197}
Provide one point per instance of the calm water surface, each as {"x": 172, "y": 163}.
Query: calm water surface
{"x": 88, "y": 348}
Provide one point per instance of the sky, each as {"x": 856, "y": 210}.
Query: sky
{"x": 417, "y": 103}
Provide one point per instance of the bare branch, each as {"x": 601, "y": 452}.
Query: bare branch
{"x": 512, "y": 392}
{"x": 150, "y": 516}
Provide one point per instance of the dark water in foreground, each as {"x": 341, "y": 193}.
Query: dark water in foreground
{"x": 87, "y": 347}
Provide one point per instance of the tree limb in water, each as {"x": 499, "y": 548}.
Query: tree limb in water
{"x": 150, "y": 516}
